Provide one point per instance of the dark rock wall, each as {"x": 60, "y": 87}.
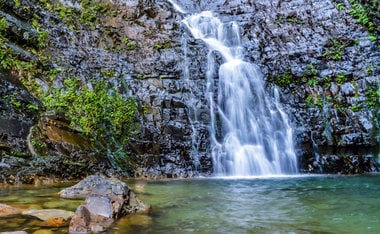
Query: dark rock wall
{"x": 322, "y": 60}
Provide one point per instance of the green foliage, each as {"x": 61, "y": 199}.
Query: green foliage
{"x": 335, "y": 52}
{"x": 128, "y": 44}
{"x": 64, "y": 13}
{"x": 3, "y": 25}
{"x": 340, "y": 6}
{"x": 294, "y": 20}
{"x": 107, "y": 73}
{"x": 373, "y": 98}
{"x": 311, "y": 75}
{"x": 33, "y": 107}
{"x": 16, "y": 103}
{"x": 369, "y": 70}
{"x": 162, "y": 46}
{"x": 360, "y": 13}
{"x": 101, "y": 113}
{"x": 312, "y": 82}
{"x": 42, "y": 34}
{"x": 25, "y": 70}
{"x": 341, "y": 78}
{"x": 310, "y": 67}
{"x": 326, "y": 82}
{"x": 372, "y": 37}
{"x": 17, "y": 2}
{"x": 90, "y": 11}
{"x": 313, "y": 101}
{"x": 279, "y": 19}
{"x": 284, "y": 79}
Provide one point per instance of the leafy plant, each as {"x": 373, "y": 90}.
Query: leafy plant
{"x": 340, "y": 6}
{"x": 312, "y": 82}
{"x": 310, "y": 67}
{"x": 162, "y": 46}
{"x": 372, "y": 37}
{"x": 3, "y": 25}
{"x": 42, "y": 34}
{"x": 129, "y": 44}
{"x": 341, "y": 78}
{"x": 373, "y": 98}
{"x": 17, "y": 2}
{"x": 336, "y": 50}
{"x": 284, "y": 79}
{"x": 101, "y": 113}
{"x": 312, "y": 101}
{"x": 359, "y": 12}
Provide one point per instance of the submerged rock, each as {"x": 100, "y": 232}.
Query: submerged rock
{"x": 6, "y": 210}
{"x": 55, "y": 222}
{"x": 107, "y": 199}
{"x": 15, "y": 232}
{"x": 49, "y": 214}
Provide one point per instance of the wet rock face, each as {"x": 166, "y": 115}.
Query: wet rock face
{"x": 320, "y": 58}
{"x": 16, "y": 118}
{"x": 152, "y": 65}
{"x": 348, "y": 164}
{"x": 324, "y": 64}
{"x": 16, "y": 121}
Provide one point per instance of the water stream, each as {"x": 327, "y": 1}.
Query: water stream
{"x": 250, "y": 132}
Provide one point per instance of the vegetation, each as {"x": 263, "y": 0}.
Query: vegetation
{"x": 362, "y": 14}
{"x": 88, "y": 14}
{"x": 365, "y": 12}
{"x": 93, "y": 107}
{"x": 101, "y": 113}
{"x": 373, "y": 98}
{"x": 280, "y": 19}
{"x": 336, "y": 49}
{"x": 162, "y": 46}
{"x": 341, "y": 78}
{"x": 311, "y": 75}
{"x": 284, "y": 79}
{"x": 129, "y": 45}
{"x": 314, "y": 101}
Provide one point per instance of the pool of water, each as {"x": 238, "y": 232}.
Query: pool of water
{"x": 300, "y": 204}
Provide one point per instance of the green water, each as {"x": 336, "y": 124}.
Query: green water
{"x": 305, "y": 204}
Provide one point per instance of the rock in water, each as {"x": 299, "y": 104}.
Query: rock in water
{"x": 6, "y": 210}
{"x": 48, "y": 214}
{"x": 107, "y": 199}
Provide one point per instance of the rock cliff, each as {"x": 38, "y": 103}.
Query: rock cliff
{"x": 325, "y": 63}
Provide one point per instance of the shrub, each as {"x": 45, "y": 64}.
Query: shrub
{"x": 101, "y": 113}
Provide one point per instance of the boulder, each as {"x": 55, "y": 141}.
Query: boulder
{"x": 107, "y": 199}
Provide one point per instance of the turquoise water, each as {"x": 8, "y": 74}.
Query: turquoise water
{"x": 307, "y": 204}
{"x": 319, "y": 204}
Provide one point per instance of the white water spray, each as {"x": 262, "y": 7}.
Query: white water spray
{"x": 250, "y": 133}
{"x": 177, "y": 7}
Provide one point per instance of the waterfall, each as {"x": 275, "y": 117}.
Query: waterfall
{"x": 251, "y": 134}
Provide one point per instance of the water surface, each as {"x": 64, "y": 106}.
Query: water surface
{"x": 303, "y": 204}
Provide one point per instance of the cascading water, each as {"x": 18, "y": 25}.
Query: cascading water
{"x": 251, "y": 135}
